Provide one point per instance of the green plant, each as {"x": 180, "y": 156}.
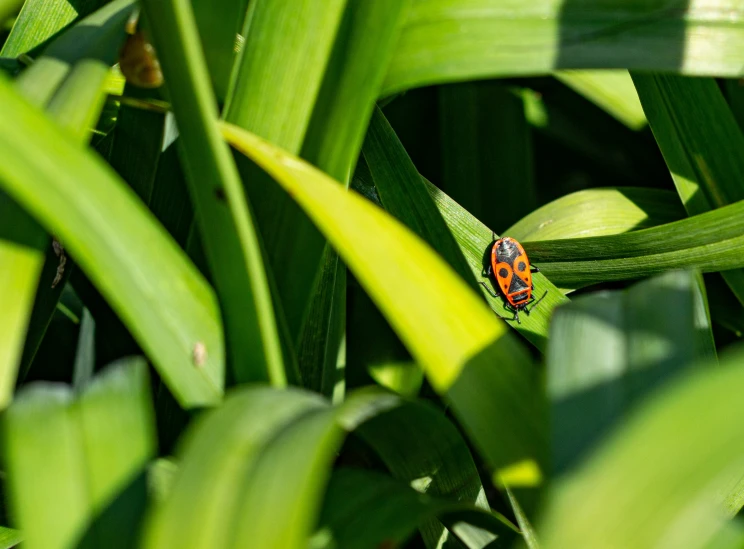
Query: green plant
{"x": 243, "y": 309}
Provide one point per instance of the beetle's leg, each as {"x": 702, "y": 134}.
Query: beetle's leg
{"x": 534, "y": 269}
{"x": 539, "y": 300}
{"x": 516, "y": 316}
{"x": 489, "y": 272}
{"x": 488, "y": 289}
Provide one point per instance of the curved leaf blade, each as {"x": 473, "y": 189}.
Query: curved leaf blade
{"x": 230, "y": 238}
{"x": 102, "y": 441}
{"x": 709, "y": 242}
{"x": 443, "y": 40}
{"x": 364, "y": 510}
{"x": 216, "y": 460}
{"x": 598, "y": 212}
{"x": 158, "y": 293}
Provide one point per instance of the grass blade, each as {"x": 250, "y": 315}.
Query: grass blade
{"x": 169, "y": 319}
{"x": 219, "y": 24}
{"x": 710, "y": 242}
{"x": 39, "y": 20}
{"x": 611, "y": 90}
{"x": 93, "y": 491}
{"x": 403, "y": 193}
{"x": 443, "y": 40}
{"x": 295, "y": 36}
{"x": 226, "y": 225}
{"x": 22, "y": 245}
{"x": 364, "y": 46}
{"x": 98, "y": 36}
{"x": 703, "y": 156}
{"x": 367, "y": 35}
{"x": 598, "y": 212}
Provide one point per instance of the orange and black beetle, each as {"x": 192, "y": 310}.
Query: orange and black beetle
{"x": 513, "y": 272}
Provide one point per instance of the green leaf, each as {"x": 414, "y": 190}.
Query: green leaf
{"x": 98, "y": 37}
{"x": 220, "y": 457}
{"x": 684, "y": 442}
{"x": 226, "y": 224}
{"x": 703, "y": 156}
{"x": 93, "y": 490}
{"x": 421, "y": 447}
{"x": 365, "y": 43}
{"x": 598, "y": 212}
{"x": 364, "y": 509}
{"x": 159, "y": 295}
{"x": 366, "y": 38}
{"x": 611, "y": 90}
{"x": 610, "y": 349}
{"x": 444, "y": 324}
{"x": 709, "y": 242}
{"x": 403, "y": 193}
{"x": 22, "y": 244}
{"x": 486, "y": 149}
{"x": 85, "y": 355}
{"x": 286, "y": 42}
{"x": 9, "y": 537}
{"x": 322, "y": 334}
{"x": 219, "y": 24}
{"x": 443, "y": 40}
{"x": 40, "y": 20}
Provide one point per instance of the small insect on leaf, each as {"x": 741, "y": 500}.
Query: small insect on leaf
{"x": 139, "y": 63}
{"x": 513, "y": 273}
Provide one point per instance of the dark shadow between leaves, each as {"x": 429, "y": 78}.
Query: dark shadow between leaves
{"x": 118, "y": 525}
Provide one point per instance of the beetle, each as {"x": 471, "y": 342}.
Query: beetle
{"x": 513, "y": 273}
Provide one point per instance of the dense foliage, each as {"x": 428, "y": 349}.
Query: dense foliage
{"x": 242, "y": 248}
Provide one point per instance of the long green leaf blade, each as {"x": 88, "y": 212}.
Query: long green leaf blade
{"x": 598, "y": 212}
{"x": 216, "y": 458}
{"x": 39, "y": 20}
{"x": 101, "y": 442}
{"x": 166, "y": 304}
{"x": 703, "y": 156}
{"x": 709, "y": 242}
{"x": 611, "y": 90}
{"x": 22, "y": 244}
{"x": 231, "y": 242}
{"x": 443, "y": 40}
{"x": 98, "y": 36}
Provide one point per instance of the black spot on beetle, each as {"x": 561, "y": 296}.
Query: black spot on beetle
{"x": 503, "y": 273}
{"x": 521, "y": 266}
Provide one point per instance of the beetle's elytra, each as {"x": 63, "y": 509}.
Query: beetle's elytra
{"x": 512, "y": 271}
